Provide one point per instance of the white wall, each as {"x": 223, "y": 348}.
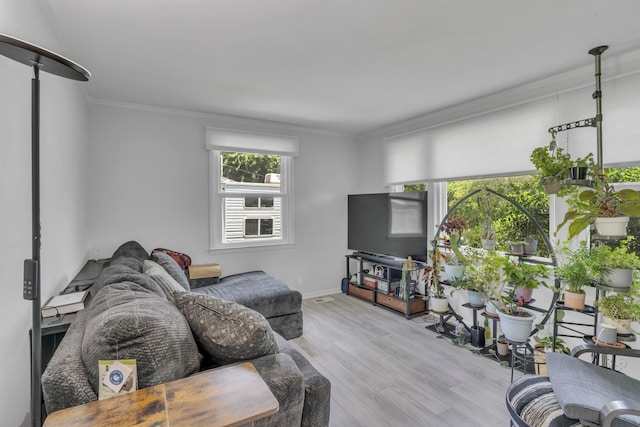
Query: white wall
{"x": 63, "y": 139}
{"x": 149, "y": 180}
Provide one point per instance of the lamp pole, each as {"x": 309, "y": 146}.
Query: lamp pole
{"x": 37, "y": 58}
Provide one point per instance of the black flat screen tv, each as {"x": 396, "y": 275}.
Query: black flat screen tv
{"x": 392, "y": 224}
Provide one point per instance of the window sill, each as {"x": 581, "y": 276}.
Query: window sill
{"x": 252, "y": 248}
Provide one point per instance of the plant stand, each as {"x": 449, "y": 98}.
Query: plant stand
{"x": 523, "y": 359}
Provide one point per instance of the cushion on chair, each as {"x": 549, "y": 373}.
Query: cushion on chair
{"x": 532, "y": 403}
{"x": 583, "y": 389}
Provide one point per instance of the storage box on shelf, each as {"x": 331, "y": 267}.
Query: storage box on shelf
{"x": 379, "y": 281}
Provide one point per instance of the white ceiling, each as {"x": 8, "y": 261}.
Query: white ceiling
{"x": 342, "y": 65}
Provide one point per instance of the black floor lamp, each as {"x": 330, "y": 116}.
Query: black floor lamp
{"x": 39, "y": 59}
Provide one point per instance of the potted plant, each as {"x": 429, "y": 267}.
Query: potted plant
{"x": 516, "y": 247}
{"x": 580, "y": 168}
{"x": 544, "y": 344}
{"x": 578, "y": 269}
{"x": 438, "y": 299}
{"x": 621, "y": 262}
{"x": 487, "y": 231}
{"x": 453, "y": 267}
{"x": 602, "y": 205}
{"x": 454, "y": 225}
{"x": 621, "y": 308}
{"x": 524, "y": 277}
{"x": 553, "y": 167}
{"x": 515, "y": 321}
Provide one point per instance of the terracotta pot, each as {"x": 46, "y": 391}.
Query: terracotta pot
{"x": 573, "y": 300}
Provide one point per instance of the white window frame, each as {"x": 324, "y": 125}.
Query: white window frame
{"x": 225, "y": 140}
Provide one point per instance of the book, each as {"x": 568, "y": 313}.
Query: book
{"x": 117, "y": 377}
{"x": 65, "y": 303}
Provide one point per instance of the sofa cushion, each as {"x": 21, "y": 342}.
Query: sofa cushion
{"x": 131, "y": 254}
{"x": 259, "y": 291}
{"x": 583, "y": 389}
{"x": 127, "y": 321}
{"x": 172, "y": 268}
{"x": 162, "y": 278}
{"x": 226, "y": 332}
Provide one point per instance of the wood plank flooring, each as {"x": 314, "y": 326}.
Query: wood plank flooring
{"x": 386, "y": 370}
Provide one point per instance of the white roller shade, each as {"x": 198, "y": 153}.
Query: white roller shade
{"x": 405, "y": 158}
{"x": 497, "y": 143}
{"x": 251, "y": 142}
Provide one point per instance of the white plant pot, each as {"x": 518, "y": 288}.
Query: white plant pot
{"x": 619, "y": 278}
{"x": 490, "y": 308}
{"x": 439, "y": 305}
{"x": 476, "y": 299}
{"x": 516, "y": 328}
{"x": 454, "y": 272}
{"x": 614, "y": 227}
{"x": 623, "y": 326}
{"x": 488, "y": 244}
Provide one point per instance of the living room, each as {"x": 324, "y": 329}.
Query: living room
{"x": 114, "y": 171}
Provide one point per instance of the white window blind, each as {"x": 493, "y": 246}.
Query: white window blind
{"x": 406, "y": 158}
{"x": 251, "y": 142}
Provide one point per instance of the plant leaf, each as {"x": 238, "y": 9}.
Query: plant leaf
{"x": 587, "y": 195}
{"x": 578, "y": 225}
{"x": 627, "y": 194}
{"x": 630, "y": 208}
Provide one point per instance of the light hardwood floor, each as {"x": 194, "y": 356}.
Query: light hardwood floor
{"x": 386, "y": 370}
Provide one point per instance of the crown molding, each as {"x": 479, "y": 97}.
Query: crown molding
{"x": 227, "y": 120}
{"x": 613, "y": 68}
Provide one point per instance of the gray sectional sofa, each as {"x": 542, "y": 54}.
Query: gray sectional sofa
{"x": 141, "y": 307}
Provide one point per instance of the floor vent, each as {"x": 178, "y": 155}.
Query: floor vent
{"x": 323, "y": 299}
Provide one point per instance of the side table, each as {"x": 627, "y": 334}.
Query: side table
{"x": 229, "y": 396}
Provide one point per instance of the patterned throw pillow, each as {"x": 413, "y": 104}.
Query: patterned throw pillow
{"x": 226, "y": 331}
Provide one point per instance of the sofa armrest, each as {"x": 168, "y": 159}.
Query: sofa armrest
{"x": 285, "y": 381}
{"x": 65, "y": 382}
{"x": 618, "y": 408}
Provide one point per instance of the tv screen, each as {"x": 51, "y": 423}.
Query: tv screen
{"x": 388, "y": 224}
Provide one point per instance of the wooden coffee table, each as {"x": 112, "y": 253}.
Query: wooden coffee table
{"x": 228, "y": 396}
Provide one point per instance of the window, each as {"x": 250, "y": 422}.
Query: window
{"x": 251, "y": 202}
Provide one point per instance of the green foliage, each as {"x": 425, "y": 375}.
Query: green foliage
{"x": 415, "y": 187}
{"x": 600, "y": 201}
{"x": 550, "y": 163}
{"x": 547, "y": 342}
{"x": 524, "y": 274}
{"x": 622, "y": 305}
{"x": 508, "y": 222}
{"x": 249, "y": 167}
{"x": 617, "y": 257}
{"x": 579, "y": 268}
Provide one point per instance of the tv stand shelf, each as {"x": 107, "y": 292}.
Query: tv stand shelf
{"x": 385, "y": 273}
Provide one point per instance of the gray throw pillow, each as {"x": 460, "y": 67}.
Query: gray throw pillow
{"x": 163, "y": 279}
{"x": 172, "y": 268}
{"x": 226, "y": 331}
{"x": 127, "y": 321}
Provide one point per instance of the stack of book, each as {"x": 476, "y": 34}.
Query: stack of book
{"x": 64, "y": 304}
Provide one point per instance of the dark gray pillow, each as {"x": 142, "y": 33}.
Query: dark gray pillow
{"x": 127, "y": 321}
{"x": 172, "y": 268}
{"x": 225, "y": 331}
